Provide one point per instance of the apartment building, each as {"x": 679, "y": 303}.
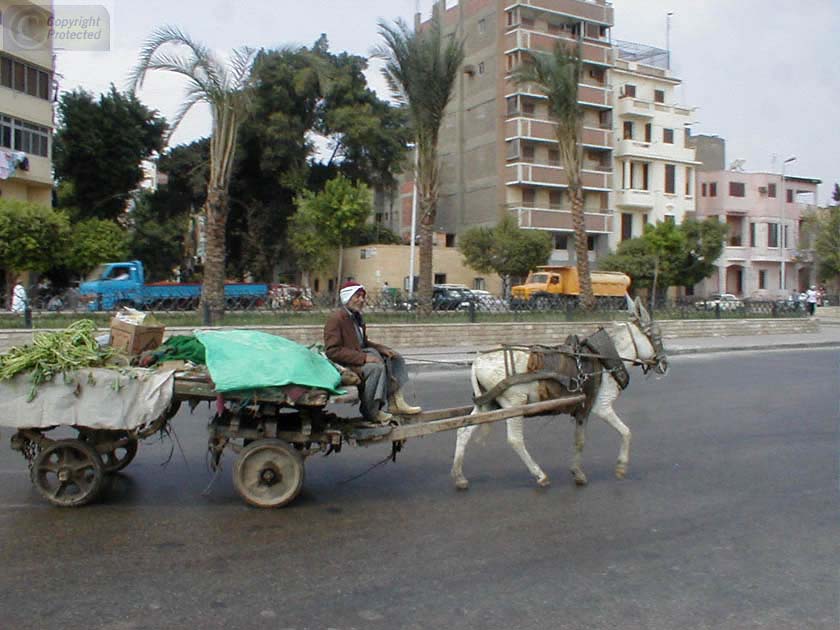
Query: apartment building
{"x": 26, "y": 103}
{"x": 655, "y": 165}
{"x": 497, "y": 143}
{"x": 763, "y": 256}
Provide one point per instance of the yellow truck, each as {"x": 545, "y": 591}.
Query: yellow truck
{"x": 549, "y": 286}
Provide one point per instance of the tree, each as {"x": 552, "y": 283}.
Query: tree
{"x": 32, "y": 237}
{"x": 420, "y": 68}
{"x": 225, "y": 88}
{"x": 98, "y": 148}
{"x": 557, "y": 75}
{"x": 823, "y": 228}
{"x": 95, "y": 241}
{"x": 704, "y": 242}
{"x": 326, "y": 221}
{"x": 505, "y": 249}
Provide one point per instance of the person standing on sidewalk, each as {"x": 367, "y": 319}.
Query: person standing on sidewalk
{"x": 19, "y": 298}
{"x": 811, "y": 300}
{"x": 381, "y": 369}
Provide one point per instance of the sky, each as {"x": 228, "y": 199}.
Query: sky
{"x": 762, "y": 74}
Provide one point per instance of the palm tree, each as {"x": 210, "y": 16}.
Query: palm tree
{"x": 421, "y": 67}
{"x": 557, "y": 76}
{"x": 224, "y": 87}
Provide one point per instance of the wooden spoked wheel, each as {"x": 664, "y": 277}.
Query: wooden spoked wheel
{"x": 68, "y": 473}
{"x": 268, "y": 473}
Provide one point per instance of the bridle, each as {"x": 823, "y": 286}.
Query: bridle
{"x": 659, "y": 362}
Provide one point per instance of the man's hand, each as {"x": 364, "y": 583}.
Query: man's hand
{"x": 388, "y": 353}
{"x": 369, "y": 358}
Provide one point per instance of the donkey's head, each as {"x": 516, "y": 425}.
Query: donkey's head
{"x": 650, "y": 330}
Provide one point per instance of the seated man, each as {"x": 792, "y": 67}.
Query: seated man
{"x": 381, "y": 369}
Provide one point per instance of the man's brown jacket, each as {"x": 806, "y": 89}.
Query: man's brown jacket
{"x": 342, "y": 343}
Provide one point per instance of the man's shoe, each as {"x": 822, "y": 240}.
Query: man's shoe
{"x": 397, "y": 404}
{"x": 382, "y": 417}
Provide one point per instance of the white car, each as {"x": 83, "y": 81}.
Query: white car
{"x": 726, "y": 301}
{"x": 486, "y": 301}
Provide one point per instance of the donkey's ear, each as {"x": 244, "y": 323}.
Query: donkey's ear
{"x": 630, "y": 305}
{"x": 641, "y": 312}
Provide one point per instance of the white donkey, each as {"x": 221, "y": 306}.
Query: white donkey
{"x": 638, "y": 342}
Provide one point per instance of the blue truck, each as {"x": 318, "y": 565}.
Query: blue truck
{"x": 116, "y": 284}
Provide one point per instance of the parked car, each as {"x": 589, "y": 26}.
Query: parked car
{"x": 726, "y": 302}
{"x": 451, "y": 297}
{"x": 486, "y": 301}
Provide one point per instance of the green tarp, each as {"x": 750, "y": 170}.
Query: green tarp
{"x": 245, "y": 359}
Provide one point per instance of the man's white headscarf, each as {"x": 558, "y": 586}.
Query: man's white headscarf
{"x": 348, "y": 290}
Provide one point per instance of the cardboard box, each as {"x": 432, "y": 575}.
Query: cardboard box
{"x": 133, "y": 339}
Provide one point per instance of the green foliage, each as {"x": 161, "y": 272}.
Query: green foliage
{"x": 505, "y": 249}
{"x": 98, "y": 148}
{"x": 373, "y": 234}
{"x": 326, "y": 221}
{"x": 95, "y": 241}
{"x": 823, "y": 226}
{"x": 32, "y": 237}
{"x": 670, "y": 255}
{"x": 157, "y": 237}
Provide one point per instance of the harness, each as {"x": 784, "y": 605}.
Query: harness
{"x": 576, "y": 366}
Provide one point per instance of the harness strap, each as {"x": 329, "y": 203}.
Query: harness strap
{"x": 518, "y": 379}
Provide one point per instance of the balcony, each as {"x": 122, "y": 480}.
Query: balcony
{"x": 524, "y": 173}
{"x": 630, "y": 198}
{"x": 587, "y": 94}
{"x": 547, "y": 219}
{"x": 629, "y": 107}
{"x": 521, "y": 127}
{"x": 521, "y": 39}
{"x": 600, "y": 11}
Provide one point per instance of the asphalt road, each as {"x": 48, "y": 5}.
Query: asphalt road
{"x": 728, "y": 519}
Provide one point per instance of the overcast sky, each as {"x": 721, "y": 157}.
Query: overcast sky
{"x": 762, "y": 74}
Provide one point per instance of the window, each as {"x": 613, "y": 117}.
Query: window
{"x": 668, "y": 136}
{"x": 440, "y": 278}
{"x": 553, "y": 157}
{"x": 689, "y": 178}
{"x": 482, "y": 26}
{"x": 450, "y": 240}
{"x": 24, "y": 78}
{"x": 670, "y": 218}
{"x": 22, "y": 136}
{"x": 629, "y": 90}
{"x": 785, "y": 232}
{"x": 771, "y": 190}
{"x": 659, "y": 96}
{"x": 555, "y": 199}
{"x": 628, "y": 130}
{"x": 6, "y": 72}
{"x": 32, "y": 81}
{"x": 789, "y": 192}
{"x": 626, "y": 226}
{"x": 703, "y": 189}
{"x": 713, "y": 189}
{"x": 529, "y": 197}
{"x": 645, "y": 176}
{"x": 605, "y": 119}
{"x": 19, "y": 76}
{"x": 480, "y": 67}
{"x": 737, "y": 189}
{"x": 528, "y": 107}
{"x": 590, "y": 243}
{"x": 527, "y": 152}
{"x": 772, "y": 235}
{"x": 752, "y": 234}
{"x": 670, "y": 179}
{"x": 762, "y": 279}
{"x": 648, "y": 132}
{"x": 561, "y": 241}
{"x": 479, "y": 284}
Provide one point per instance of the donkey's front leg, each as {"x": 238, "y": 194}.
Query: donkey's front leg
{"x": 516, "y": 439}
{"x": 580, "y": 440}
{"x": 463, "y": 438}
{"x": 615, "y": 422}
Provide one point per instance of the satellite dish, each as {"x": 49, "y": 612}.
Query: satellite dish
{"x": 737, "y": 165}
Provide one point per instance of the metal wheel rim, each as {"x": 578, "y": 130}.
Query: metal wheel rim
{"x": 68, "y": 473}
{"x": 120, "y": 457}
{"x": 268, "y": 473}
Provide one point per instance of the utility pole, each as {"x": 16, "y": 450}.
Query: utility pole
{"x": 668, "y": 39}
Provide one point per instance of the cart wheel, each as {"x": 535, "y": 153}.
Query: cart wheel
{"x": 120, "y": 457}
{"x": 268, "y": 473}
{"x": 68, "y": 473}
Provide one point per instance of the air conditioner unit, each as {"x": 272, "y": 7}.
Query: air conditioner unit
{"x": 762, "y": 190}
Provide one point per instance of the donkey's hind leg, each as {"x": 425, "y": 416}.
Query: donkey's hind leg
{"x": 463, "y": 438}
{"x": 516, "y": 439}
{"x": 615, "y": 422}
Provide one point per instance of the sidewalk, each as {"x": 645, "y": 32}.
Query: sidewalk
{"x": 827, "y": 337}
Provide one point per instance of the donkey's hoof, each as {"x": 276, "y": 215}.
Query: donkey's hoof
{"x": 543, "y": 481}
{"x": 580, "y": 478}
{"x": 462, "y": 484}
{"x": 620, "y": 471}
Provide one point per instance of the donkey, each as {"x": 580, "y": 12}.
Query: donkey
{"x": 638, "y": 341}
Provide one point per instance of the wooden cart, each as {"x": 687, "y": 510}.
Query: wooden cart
{"x": 272, "y": 431}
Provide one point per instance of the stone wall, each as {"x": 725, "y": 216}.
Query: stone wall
{"x": 487, "y": 335}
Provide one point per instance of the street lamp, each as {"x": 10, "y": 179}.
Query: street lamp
{"x": 782, "y": 223}
{"x": 413, "y": 227}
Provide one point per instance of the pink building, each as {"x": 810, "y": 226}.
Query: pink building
{"x": 760, "y": 259}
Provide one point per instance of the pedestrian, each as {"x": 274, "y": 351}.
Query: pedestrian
{"x": 19, "y": 297}
{"x": 811, "y": 300}
{"x": 381, "y": 369}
